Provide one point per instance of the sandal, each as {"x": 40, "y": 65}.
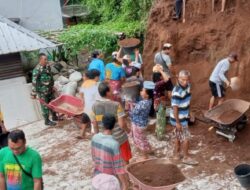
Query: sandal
{"x": 190, "y": 161}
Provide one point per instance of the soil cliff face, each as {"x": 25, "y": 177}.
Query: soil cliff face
{"x": 200, "y": 42}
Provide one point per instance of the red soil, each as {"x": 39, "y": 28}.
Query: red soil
{"x": 200, "y": 42}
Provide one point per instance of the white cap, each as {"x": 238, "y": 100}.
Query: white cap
{"x": 136, "y": 65}
{"x": 167, "y": 45}
{"x": 114, "y": 53}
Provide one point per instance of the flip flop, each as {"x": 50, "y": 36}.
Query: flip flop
{"x": 190, "y": 161}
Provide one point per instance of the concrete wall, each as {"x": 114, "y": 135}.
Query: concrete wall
{"x": 34, "y": 14}
{"x": 17, "y": 106}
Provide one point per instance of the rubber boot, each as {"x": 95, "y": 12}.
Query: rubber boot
{"x": 50, "y": 123}
{"x": 54, "y": 116}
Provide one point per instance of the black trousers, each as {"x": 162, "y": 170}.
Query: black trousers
{"x": 178, "y": 8}
{"x": 4, "y": 140}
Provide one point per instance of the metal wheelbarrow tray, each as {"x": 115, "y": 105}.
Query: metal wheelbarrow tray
{"x": 228, "y": 117}
{"x": 66, "y": 104}
{"x": 143, "y": 165}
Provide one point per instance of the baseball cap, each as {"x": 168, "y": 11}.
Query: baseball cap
{"x": 167, "y": 45}
{"x": 105, "y": 182}
{"x": 234, "y": 55}
{"x": 114, "y": 54}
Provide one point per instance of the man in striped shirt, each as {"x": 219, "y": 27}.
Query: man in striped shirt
{"x": 106, "y": 152}
{"x": 180, "y": 102}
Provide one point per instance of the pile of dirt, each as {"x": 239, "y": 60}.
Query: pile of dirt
{"x": 200, "y": 42}
{"x": 157, "y": 174}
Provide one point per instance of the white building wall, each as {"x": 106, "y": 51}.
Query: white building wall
{"x": 17, "y": 106}
{"x": 34, "y": 14}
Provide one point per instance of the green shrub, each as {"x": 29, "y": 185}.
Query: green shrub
{"x": 106, "y": 19}
{"x": 103, "y": 36}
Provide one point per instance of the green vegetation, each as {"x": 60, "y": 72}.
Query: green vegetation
{"x": 126, "y": 10}
{"x": 107, "y": 18}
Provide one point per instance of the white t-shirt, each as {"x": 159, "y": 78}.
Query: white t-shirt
{"x": 218, "y": 74}
{"x": 91, "y": 94}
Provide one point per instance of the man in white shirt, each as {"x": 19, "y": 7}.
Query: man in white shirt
{"x": 218, "y": 79}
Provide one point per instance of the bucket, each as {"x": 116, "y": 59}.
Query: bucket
{"x": 235, "y": 83}
{"x": 242, "y": 173}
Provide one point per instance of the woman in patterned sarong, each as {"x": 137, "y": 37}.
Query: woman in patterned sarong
{"x": 139, "y": 118}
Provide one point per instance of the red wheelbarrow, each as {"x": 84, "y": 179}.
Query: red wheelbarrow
{"x": 66, "y": 105}
{"x": 229, "y": 117}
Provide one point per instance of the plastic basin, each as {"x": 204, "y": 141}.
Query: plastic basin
{"x": 141, "y": 185}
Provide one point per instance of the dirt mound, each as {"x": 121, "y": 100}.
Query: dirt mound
{"x": 157, "y": 174}
{"x": 200, "y": 42}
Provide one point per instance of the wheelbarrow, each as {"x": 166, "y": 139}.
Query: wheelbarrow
{"x": 170, "y": 178}
{"x": 229, "y": 117}
{"x": 65, "y": 105}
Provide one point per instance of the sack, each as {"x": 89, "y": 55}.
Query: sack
{"x": 75, "y": 76}
{"x": 70, "y": 88}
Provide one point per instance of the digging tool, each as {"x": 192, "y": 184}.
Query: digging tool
{"x": 184, "y": 11}
{"x": 212, "y": 6}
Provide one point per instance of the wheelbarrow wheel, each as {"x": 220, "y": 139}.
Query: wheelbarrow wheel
{"x": 242, "y": 124}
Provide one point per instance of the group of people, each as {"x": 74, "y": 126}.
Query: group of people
{"x": 179, "y": 8}
{"x": 109, "y": 121}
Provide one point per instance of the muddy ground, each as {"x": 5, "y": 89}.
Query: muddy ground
{"x": 68, "y": 164}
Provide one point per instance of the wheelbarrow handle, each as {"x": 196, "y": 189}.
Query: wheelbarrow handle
{"x": 45, "y": 104}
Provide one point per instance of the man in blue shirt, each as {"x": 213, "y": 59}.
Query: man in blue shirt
{"x": 97, "y": 64}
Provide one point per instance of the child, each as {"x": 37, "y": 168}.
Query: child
{"x": 139, "y": 118}
{"x": 89, "y": 94}
{"x": 106, "y": 153}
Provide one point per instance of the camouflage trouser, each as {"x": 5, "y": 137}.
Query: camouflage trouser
{"x": 47, "y": 98}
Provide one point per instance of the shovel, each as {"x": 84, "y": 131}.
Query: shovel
{"x": 184, "y": 11}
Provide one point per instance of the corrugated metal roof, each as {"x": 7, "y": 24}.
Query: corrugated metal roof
{"x": 15, "y": 38}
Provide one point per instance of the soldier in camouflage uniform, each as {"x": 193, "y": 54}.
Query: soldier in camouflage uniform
{"x": 42, "y": 86}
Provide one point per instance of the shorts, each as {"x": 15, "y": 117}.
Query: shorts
{"x": 3, "y": 140}
{"x": 217, "y": 90}
{"x": 182, "y": 135}
{"x": 83, "y": 118}
{"x": 169, "y": 85}
{"x": 125, "y": 151}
